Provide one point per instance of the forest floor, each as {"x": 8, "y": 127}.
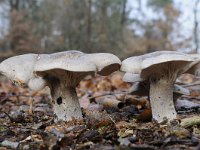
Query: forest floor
{"x": 27, "y": 119}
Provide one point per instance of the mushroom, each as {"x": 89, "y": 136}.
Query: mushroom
{"x": 194, "y": 68}
{"x": 141, "y": 88}
{"x": 161, "y": 69}
{"x": 179, "y": 91}
{"x": 61, "y": 72}
{"x": 19, "y": 69}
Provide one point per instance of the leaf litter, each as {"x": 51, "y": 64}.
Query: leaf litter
{"x": 113, "y": 119}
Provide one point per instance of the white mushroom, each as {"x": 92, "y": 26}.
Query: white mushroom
{"x": 140, "y": 87}
{"x": 179, "y": 91}
{"x": 61, "y": 72}
{"x": 64, "y": 70}
{"x": 19, "y": 69}
{"x": 161, "y": 69}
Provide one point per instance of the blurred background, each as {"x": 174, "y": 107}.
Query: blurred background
{"x": 121, "y": 27}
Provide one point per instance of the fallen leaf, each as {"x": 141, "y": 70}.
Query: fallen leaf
{"x": 145, "y": 116}
{"x": 186, "y": 104}
{"x": 125, "y": 133}
{"x": 122, "y": 124}
{"x": 192, "y": 121}
{"x": 180, "y": 132}
{"x": 110, "y": 101}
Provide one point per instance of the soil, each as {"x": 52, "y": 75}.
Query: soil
{"x": 27, "y": 119}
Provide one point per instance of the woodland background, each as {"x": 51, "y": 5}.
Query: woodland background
{"x": 121, "y": 27}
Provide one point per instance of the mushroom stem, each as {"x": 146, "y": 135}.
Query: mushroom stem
{"x": 65, "y": 102}
{"x": 161, "y": 99}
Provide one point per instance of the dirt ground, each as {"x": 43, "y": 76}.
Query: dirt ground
{"x": 27, "y": 119}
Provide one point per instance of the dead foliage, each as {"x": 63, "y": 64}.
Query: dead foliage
{"x": 27, "y": 119}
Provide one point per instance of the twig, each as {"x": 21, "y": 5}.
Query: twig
{"x": 191, "y": 97}
{"x": 188, "y": 85}
{"x": 112, "y": 119}
{"x": 31, "y": 106}
{"x": 11, "y": 119}
{"x": 19, "y": 95}
{"x": 110, "y": 93}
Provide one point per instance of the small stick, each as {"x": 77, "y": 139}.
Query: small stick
{"x": 31, "y": 106}
{"x": 110, "y": 93}
{"x": 19, "y": 95}
{"x": 110, "y": 101}
{"x": 188, "y": 85}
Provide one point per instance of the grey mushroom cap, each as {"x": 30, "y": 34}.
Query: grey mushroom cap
{"x": 69, "y": 60}
{"x": 19, "y": 69}
{"x": 106, "y": 63}
{"x": 77, "y": 62}
{"x": 195, "y": 56}
{"x": 146, "y": 64}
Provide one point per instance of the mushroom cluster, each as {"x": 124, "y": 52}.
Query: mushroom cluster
{"x": 61, "y": 72}
{"x": 154, "y": 75}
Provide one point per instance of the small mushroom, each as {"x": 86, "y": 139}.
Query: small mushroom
{"x": 194, "y": 68}
{"x": 19, "y": 69}
{"x": 64, "y": 70}
{"x": 140, "y": 87}
{"x": 132, "y": 77}
{"x": 179, "y": 91}
{"x": 161, "y": 69}
{"x": 61, "y": 72}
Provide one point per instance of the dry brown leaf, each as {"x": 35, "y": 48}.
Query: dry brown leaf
{"x": 95, "y": 107}
{"x": 97, "y": 118}
{"x": 125, "y": 133}
{"x": 116, "y": 81}
{"x": 84, "y": 102}
{"x": 109, "y": 101}
{"x": 141, "y": 103}
{"x": 104, "y": 85}
{"x": 145, "y": 116}
{"x": 122, "y": 124}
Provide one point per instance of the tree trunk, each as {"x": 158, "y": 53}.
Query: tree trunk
{"x": 14, "y": 5}
{"x": 123, "y": 19}
{"x": 196, "y": 24}
{"x": 89, "y": 25}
